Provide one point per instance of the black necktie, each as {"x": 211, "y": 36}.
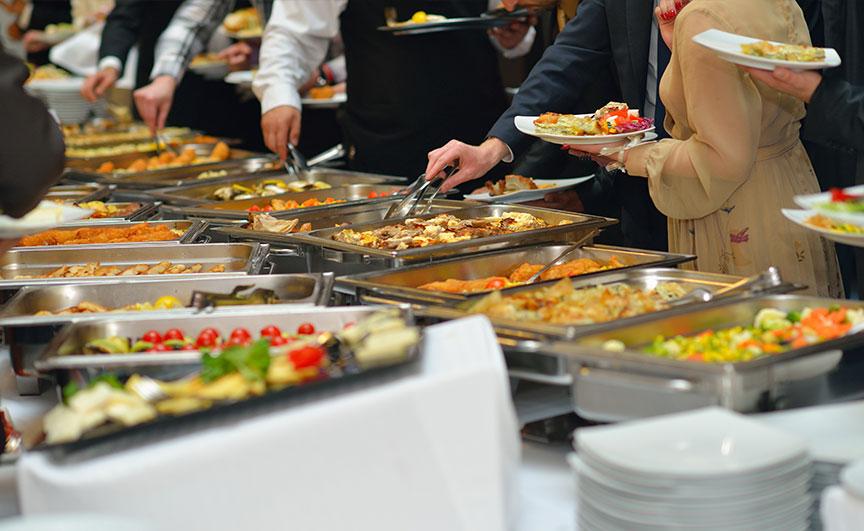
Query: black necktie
{"x": 663, "y": 56}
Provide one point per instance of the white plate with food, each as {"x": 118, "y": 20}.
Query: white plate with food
{"x": 209, "y": 65}
{"x": 325, "y": 103}
{"x": 837, "y": 231}
{"x": 844, "y": 205}
{"x": 240, "y": 77}
{"x": 422, "y": 23}
{"x": 614, "y": 122}
{"x": 518, "y": 189}
{"x": 767, "y": 55}
{"x": 46, "y": 215}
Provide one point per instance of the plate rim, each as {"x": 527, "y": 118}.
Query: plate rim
{"x": 832, "y": 57}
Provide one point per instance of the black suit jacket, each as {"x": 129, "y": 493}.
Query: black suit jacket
{"x": 31, "y": 144}
{"x": 603, "y": 30}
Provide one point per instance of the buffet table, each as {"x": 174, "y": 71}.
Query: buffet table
{"x": 433, "y": 450}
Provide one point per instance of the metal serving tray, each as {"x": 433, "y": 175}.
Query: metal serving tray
{"x": 403, "y": 283}
{"x": 614, "y": 386}
{"x": 78, "y": 193}
{"x": 238, "y": 259}
{"x": 262, "y": 165}
{"x": 80, "y": 369}
{"x": 325, "y": 254}
{"x": 27, "y": 334}
{"x": 77, "y": 140}
{"x": 349, "y": 194}
{"x": 192, "y": 231}
{"x": 198, "y": 192}
{"x": 145, "y": 211}
{"x": 146, "y": 179}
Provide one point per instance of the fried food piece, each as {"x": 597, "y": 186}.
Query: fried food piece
{"x": 138, "y": 165}
{"x": 142, "y": 232}
{"x": 108, "y": 271}
{"x": 322, "y": 93}
{"x": 91, "y": 307}
{"x": 266, "y": 222}
{"x": 106, "y": 167}
{"x": 221, "y": 151}
{"x": 159, "y": 268}
{"x": 218, "y": 269}
{"x": 175, "y": 269}
{"x": 193, "y": 269}
{"x": 187, "y": 157}
{"x": 452, "y": 285}
{"x": 138, "y": 269}
{"x": 167, "y": 157}
{"x": 58, "y": 273}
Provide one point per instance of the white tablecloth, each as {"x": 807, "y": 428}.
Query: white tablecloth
{"x": 436, "y": 450}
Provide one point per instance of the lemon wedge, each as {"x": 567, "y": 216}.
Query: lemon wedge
{"x": 167, "y": 302}
{"x": 242, "y": 188}
{"x": 419, "y": 17}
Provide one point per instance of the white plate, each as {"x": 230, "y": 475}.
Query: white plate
{"x": 242, "y": 35}
{"x": 66, "y": 84}
{"x": 325, "y": 103}
{"x": 240, "y": 77}
{"x": 210, "y": 70}
{"x": 799, "y": 216}
{"x": 531, "y": 195}
{"x": 728, "y": 47}
{"x": 706, "y": 443}
{"x": 525, "y": 124}
{"x": 817, "y": 202}
{"x": 45, "y": 216}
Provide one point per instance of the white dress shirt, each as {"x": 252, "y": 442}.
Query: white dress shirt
{"x": 295, "y": 43}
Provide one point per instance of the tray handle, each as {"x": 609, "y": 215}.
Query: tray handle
{"x": 639, "y": 380}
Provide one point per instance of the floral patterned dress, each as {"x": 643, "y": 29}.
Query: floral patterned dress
{"x": 735, "y": 157}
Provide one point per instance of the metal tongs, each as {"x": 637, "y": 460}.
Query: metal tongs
{"x": 158, "y": 140}
{"x": 298, "y": 165}
{"x": 415, "y": 194}
{"x": 203, "y": 300}
{"x": 561, "y": 257}
{"x": 759, "y": 282}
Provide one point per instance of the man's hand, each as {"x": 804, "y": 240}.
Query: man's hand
{"x": 802, "y": 85}
{"x": 237, "y": 56}
{"x": 154, "y": 102}
{"x": 279, "y": 126}
{"x": 473, "y": 161}
{"x": 511, "y": 35}
{"x": 96, "y": 85}
{"x": 33, "y": 41}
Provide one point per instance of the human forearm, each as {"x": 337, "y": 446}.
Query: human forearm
{"x": 121, "y": 29}
{"x": 835, "y": 116}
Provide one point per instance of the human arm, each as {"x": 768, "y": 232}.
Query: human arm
{"x": 555, "y": 84}
{"x": 692, "y": 178}
{"x": 31, "y": 143}
{"x": 295, "y": 42}
{"x": 835, "y": 116}
{"x": 118, "y": 36}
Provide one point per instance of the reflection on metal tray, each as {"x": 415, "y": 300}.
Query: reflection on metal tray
{"x": 322, "y": 250}
{"x": 404, "y": 283}
{"x": 145, "y": 179}
{"x": 238, "y": 259}
{"x": 191, "y": 232}
{"x": 199, "y": 192}
{"x": 78, "y": 193}
{"x": 28, "y": 334}
{"x": 614, "y": 386}
{"x": 238, "y": 209}
{"x": 80, "y": 369}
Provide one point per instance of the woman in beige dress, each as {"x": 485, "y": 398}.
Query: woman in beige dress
{"x": 734, "y": 158}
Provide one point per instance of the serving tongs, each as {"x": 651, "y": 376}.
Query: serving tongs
{"x": 203, "y": 300}
{"x": 760, "y": 282}
{"x": 563, "y": 256}
{"x": 298, "y": 165}
{"x": 159, "y": 139}
{"x": 416, "y": 192}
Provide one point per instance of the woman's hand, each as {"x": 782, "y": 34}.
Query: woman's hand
{"x": 802, "y": 85}
{"x": 666, "y": 11}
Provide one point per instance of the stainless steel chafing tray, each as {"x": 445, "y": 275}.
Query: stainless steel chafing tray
{"x": 404, "y": 283}
{"x": 324, "y": 253}
{"x": 78, "y": 193}
{"x": 145, "y": 210}
{"x": 353, "y": 194}
{"x": 170, "y": 365}
{"x": 79, "y": 140}
{"x": 146, "y": 183}
{"x": 614, "y": 386}
{"x": 89, "y": 172}
{"x": 199, "y": 192}
{"x": 192, "y": 231}
{"x": 28, "y": 334}
{"x": 238, "y": 259}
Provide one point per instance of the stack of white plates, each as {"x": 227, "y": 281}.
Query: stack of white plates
{"x": 64, "y": 97}
{"x": 834, "y": 434}
{"x": 704, "y": 469}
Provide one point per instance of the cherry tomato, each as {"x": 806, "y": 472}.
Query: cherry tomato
{"x": 268, "y": 208}
{"x": 152, "y": 337}
{"x": 254, "y": 208}
{"x": 174, "y": 333}
{"x": 349, "y": 325}
{"x": 160, "y": 347}
{"x": 306, "y": 329}
{"x": 270, "y": 331}
{"x": 372, "y": 195}
{"x": 495, "y": 283}
{"x": 237, "y": 340}
{"x": 308, "y": 356}
{"x": 207, "y": 338}
{"x": 240, "y": 333}
{"x": 278, "y": 340}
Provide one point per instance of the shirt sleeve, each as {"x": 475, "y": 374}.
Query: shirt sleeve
{"x": 835, "y": 115}
{"x": 121, "y": 30}
{"x": 295, "y": 42}
{"x": 690, "y": 179}
{"x": 191, "y": 27}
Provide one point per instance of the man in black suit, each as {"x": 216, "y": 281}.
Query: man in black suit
{"x": 31, "y": 144}
{"x": 622, "y": 31}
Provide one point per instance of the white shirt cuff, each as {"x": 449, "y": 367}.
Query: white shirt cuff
{"x": 278, "y": 96}
{"x": 520, "y": 49}
{"x": 113, "y": 62}
{"x": 508, "y": 158}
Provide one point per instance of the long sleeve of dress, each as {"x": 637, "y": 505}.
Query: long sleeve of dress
{"x": 691, "y": 178}
{"x": 31, "y": 144}
{"x": 835, "y": 116}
